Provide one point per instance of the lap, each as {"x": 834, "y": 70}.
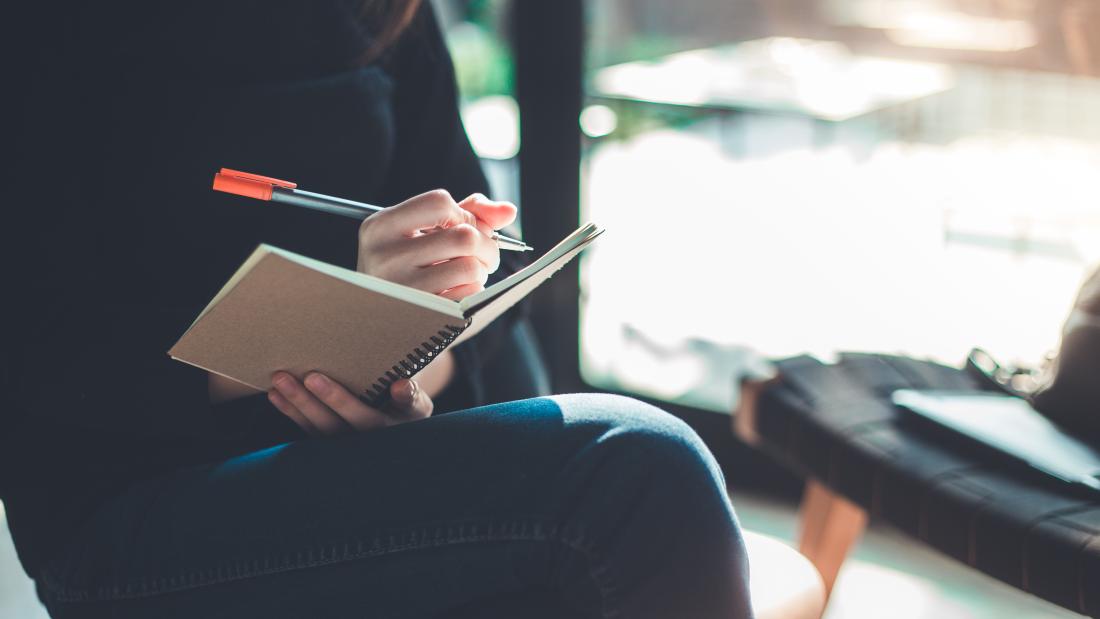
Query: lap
{"x": 400, "y": 506}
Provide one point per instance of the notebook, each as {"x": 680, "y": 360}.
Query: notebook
{"x": 1009, "y": 425}
{"x": 284, "y": 311}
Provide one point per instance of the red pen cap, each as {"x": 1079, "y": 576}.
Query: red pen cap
{"x": 248, "y": 185}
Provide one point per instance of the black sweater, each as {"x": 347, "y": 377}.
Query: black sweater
{"x": 114, "y": 240}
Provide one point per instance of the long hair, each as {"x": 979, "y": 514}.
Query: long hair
{"x": 388, "y": 18}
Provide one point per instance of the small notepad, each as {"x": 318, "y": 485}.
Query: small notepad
{"x": 284, "y": 311}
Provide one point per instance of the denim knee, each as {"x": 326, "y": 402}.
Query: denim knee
{"x": 642, "y": 438}
{"x": 646, "y": 495}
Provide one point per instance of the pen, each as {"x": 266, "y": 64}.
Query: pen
{"x": 275, "y": 190}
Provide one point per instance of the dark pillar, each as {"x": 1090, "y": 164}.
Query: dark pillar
{"x": 548, "y": 42}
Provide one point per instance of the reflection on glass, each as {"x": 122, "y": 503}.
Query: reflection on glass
{"x": 909, "y": 177}
{"x": 819, "y": 79}
{"x": 476, "y": 36}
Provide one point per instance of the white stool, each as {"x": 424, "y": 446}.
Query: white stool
{"x": 783, "y": 583}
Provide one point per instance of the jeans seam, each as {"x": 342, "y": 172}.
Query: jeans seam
{"x": 598, "y": 570}
{"x": 392, "y": 542}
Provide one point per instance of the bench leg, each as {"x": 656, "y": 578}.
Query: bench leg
{"x": 829, "y": 525}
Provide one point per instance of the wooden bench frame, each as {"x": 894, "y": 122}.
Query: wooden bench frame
{"x": 829, "y": 524}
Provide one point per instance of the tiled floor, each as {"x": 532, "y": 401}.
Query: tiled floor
{"x": 889, "y": 576}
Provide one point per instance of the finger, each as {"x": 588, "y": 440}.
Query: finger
{"x": 434, "y": 209}
{"x": 446, "y": 275}
{"x": 322, "y": 417}
{"x": 494, "y": 213}
{"x": 440, "y": 245}
{"x": 408, "y": 401}
{"x": 288, "y": 409}
{"x": 344, "y": 403}
{"x": 461, "y": 292}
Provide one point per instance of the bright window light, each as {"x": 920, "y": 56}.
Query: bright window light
{"x": 598, "y": 121}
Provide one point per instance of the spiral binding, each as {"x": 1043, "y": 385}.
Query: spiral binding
{"x": 379, "y": 392}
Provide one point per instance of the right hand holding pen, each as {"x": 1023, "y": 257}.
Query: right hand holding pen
{"x": 432, "y": 243}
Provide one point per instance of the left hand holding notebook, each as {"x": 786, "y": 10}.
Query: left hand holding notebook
{"x": 322, "y": 406}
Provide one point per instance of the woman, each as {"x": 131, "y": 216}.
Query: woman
{"x": 139, "y": 487}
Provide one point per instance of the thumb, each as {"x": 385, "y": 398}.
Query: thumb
{"x": 409, "y": 400}
{"x": 495, "y": 214}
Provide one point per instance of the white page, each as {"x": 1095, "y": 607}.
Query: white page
{"x": 581, "y": 236}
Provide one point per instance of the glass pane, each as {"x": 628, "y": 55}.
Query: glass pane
{"x": 475, "y": 32}
{"x": 779, "y": 177}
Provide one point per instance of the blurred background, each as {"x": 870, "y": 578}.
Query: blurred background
{"x": 781, "y": 177}
{"x": 912, "y": 176}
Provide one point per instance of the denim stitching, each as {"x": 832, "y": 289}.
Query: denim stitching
{"x": 392, "y": 542}
{"x": 598, "y": 570}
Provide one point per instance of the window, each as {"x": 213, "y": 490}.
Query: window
{"x": 780, "y": 177}
{"x": 475, "y": 32}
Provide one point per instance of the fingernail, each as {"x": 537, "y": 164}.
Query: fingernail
{"x": 280, "y": 381}
{"x": 317, "y": 383}
{"x": 407, "y": 392}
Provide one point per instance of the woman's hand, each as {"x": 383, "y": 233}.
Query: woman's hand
{"x": 429, "y": 242}
{"x": 321, "y": 406}
{"x": 432, "y": 243}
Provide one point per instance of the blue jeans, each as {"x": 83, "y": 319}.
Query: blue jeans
{"x": 568, "y": 506}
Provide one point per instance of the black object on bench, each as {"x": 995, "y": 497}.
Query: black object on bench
{"x": 837, "y": 425}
